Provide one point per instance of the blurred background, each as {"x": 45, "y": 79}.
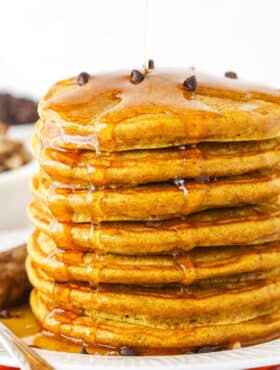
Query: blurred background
{"x": 44, "y": 41}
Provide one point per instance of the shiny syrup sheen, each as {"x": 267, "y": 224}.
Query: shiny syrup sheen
{"x": 105, "y": 101}
{"x": 26, "y": 327}
{"x": 87, "y": 115}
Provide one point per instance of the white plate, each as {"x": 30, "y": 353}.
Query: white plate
{"x": 15, "y": 195}
{"x": 254, "y": 356}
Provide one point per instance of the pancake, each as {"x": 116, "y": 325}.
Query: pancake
{"x": 116, "y": 334}
{"x": 201, "y": 263}
{"x": 154, "y": 201}
{"x": 157, "y": 211}
{"x": 83, "y": 168}
{"x": 110, "y": 113}
{"x": 210, "y": 301}
{"x": 238, "y": 226}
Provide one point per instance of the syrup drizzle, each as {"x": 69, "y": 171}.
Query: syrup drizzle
{"x": 89, "y": 116}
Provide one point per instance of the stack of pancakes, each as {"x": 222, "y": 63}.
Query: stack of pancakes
{"x": 156, "y": 211}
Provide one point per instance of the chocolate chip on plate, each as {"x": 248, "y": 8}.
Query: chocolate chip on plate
{"x": 83, "y": 78}
{"x": 136, "y": 76}
{"x": 127, "y": 351}
{"x": 190, "y": 83}
{"x": 84, "y": 351}
{"x": 206, "y": 349}
{"x": 231, "y": 74}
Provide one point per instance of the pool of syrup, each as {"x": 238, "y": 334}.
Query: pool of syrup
{"x": 23, "y": 323}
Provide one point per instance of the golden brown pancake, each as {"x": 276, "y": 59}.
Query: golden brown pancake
{"x": 154, "y": 201}
{"x": 157, "y": 211}
{"x": 208, "y": 302}
{"x": 236, "y": 226}
{"x": 109, "y": 113}
{"x": 115, "y": 333}
{"x": 200, "y": 263}
{"x": 82, "y": 168}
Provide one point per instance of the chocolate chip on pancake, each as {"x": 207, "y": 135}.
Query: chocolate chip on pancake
{"x": 190, "y": 83}
{"x": 231, "y": 74}
{"x": 151, "y": 64}
{"x": 202, "y": 179}
{"x": 83, "y": 78}
{"x": 136, "y": 76}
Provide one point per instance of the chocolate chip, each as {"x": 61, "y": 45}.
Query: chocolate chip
{"x": 202, "y": 179}
{"x": 231, "y": 74}
{"x": 206, "y": 349}
{"x": 126, "y": 351}
{"x": 190, "y": 83}
{"x": 5, "y": 314}
{"x": 84, "y": 351}
{"x": 83, "y": 78}
{"x": 136, "y": 76}
{"x": 151, "y": 64}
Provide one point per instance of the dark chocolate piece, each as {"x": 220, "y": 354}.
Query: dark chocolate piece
{"x": 84, "y": 351}
{"x": 83, "y": 78}
{"x": 127, "y": 351}
{"x": 136, "y": 76}
{"x": 151, "y": 64}
{"x": 190, "y": 83}
{"x": 231, "y": 74}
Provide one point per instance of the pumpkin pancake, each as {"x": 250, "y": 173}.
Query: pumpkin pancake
{"x": 157, "y": 211}
{"x": 154, "y": 201}
{"x": 83, "y": 168}
{"x": 236, "y": 226}
{"x": 115, "y": 333}
{"x": 211, "y": 301}
{"x": 110, "y": 113}
{"x": 200, "y": 263}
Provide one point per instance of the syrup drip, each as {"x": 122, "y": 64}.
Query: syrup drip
{"x": 146, "y": 35}
{"x": 88, "y": 114}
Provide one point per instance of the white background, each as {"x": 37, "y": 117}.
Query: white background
{"x": 43, "y": 41}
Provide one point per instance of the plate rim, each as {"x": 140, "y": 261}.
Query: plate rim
{"x": 265, "y": 354}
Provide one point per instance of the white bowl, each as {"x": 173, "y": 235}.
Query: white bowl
{"x": 15, "y": 195}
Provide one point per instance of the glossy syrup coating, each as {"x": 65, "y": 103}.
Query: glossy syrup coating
{"x": 110, "y": 113}
{"x": 119, "y": 257}
{"x": 82, "y": 168}
{"x": 154, "y": 201}
{"x": 220, "y": 227}
{"x": 184, "y": 268}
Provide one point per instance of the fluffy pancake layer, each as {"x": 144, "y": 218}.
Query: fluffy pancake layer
{"x": 157, "y": 211}
{"x": 212, "y": 301}
{"x": 153, "y": 202}
{"x": 109, "y": 113}
{"x": 115, "y": 333}
{"x": 236, "y": 226}
{"x": 83, "y": 168}
{"x": 200, "y": 263}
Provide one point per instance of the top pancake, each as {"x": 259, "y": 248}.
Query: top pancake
{"x": 110, "y": 113}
